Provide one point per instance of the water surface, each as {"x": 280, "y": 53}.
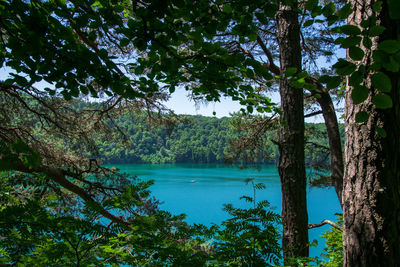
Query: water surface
{"x": 200, "y": 190}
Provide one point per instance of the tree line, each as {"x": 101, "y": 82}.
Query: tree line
{"x": 199, "y": 139}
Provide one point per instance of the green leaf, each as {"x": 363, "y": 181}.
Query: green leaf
{"x": 252, "y": 37}
{"x": 324, "y": 78}
{"x": 328, "y": 9}
{"x": 380, "y": 57}
{"x": 250, "y": 109}
{"x": 334, "y": 82}
{"x": 350, "y": 41}
{"x": 249, "y": 73}
{"x": 227, "y": 8}
{"x": 356, "y": 53}
{"x": 392, "y": 65}
{"x": 376, "y": 30}
{"x": 389, "y": 46}
{"x": 362, "y": 116}
{"x": 344, "y": 67}
{"x": 311, "y": 4}
{"x": 381, "y": 82}
{"x": 308, "y": 23}
{"x": 359, "y": 94}
{"x": 316, "y": 11}
{"x": 377, "y": 6}
{"x": 356, "y": 78}
{"x": 367, "y": 42}
{"x": 381, "y": 131}
{"x": 382, "y": 101}
{"x": 345, "y": 11}
{"x": 290, "y": 72}
{"x": 350, "y": 30}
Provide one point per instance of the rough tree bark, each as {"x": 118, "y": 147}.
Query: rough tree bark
{"x": 291, "y": 140}
{"x": 371, "y": 196}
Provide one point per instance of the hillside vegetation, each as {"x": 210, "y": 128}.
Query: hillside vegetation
{"x": 197, "y": 139}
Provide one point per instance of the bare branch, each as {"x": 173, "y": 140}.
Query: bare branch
{"x": 311, "y": 226}
{"x": 313, "y": 114}
{"x": 271, "y": 66}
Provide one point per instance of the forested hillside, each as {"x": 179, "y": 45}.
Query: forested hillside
{"x": 197, "y": 139}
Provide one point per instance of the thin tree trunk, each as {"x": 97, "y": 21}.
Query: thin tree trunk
{"x": 335, "y": 145}
{"x": 291, "y": 140}
{"x": 371, "y": 196}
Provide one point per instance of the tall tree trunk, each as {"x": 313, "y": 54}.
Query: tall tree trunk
{"x": 291, "y": 139}
{"x": 371, "y": 196}
{"x": 335, "y": 145}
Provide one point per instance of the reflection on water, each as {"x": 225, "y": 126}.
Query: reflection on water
{"x": 200, "y": 190}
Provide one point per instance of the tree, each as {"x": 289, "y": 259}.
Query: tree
{"x": 371, "y": 205}
{"x": 77, "y": 48}
{"x": 292, "y": 78}
{"x": 291, "y": 138}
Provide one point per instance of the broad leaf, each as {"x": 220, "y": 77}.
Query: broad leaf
{"x": 362, "y": 116}
{"x": 350, "y": 30}
{"x": 359, "y": 94}
{"x": 344, "y": 67}
{"x": 381, "y": 82}
{"x": 290, "y": 72}
{"x": 389, "y": 46}
{"x": 356, "y": 53}
{"x": 382, "y": 101}
{"x": 376, "y": 30}
{"x": 333, "y": 82}
{"x": 381, "y": 131}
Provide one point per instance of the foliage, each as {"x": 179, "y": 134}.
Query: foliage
{"x": 37, "y": 229}
{"x": 196, "y": 139}
{"x": 250, "y": 237}
{"x": 81, "y": 39}
{"x": 41, "y": 228}
{"x": 334, "y": 246}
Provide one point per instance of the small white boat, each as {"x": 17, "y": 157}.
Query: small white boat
{"x": 192, "y": 181}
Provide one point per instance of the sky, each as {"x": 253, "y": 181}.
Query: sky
{"x": 180, "y": 104}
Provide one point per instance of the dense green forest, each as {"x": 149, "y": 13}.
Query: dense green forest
{"x": 197, "y": 139}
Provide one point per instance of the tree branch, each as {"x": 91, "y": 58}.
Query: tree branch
{"x": 334, "y": 225}
{"x": 58, "y": 175}
{"x": 271, "y": 66}
{"x": 313, "y": 114}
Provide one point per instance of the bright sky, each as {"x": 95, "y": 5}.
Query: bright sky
{"x": 181, "y": 104}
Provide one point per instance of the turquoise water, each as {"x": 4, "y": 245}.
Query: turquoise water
{"x": 200, "y": 190}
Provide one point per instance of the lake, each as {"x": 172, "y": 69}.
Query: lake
{"x": 200, "y": 190}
